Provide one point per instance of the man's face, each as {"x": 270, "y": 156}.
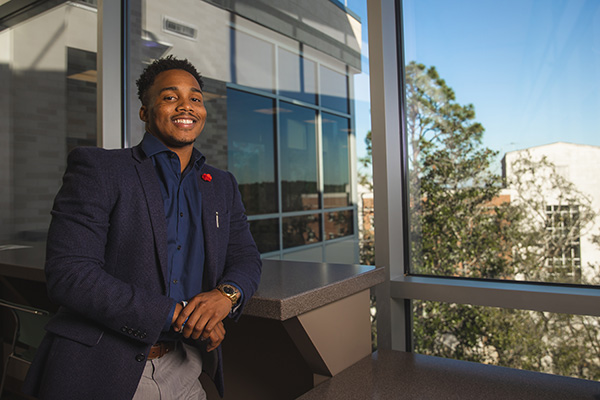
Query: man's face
{"x": 174, "y": 111}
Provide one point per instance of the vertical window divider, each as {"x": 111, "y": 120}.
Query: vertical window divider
{"x": 320, "y": 173}
{"x": 277, "y": 123}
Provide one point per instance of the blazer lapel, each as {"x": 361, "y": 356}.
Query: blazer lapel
{"x": 147, "y": 175}
{"x": 209, "y": 227}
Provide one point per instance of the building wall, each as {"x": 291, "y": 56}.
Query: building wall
{"x": 577, "y": 164}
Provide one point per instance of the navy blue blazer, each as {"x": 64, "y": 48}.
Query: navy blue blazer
{"x": 106, "y": 266}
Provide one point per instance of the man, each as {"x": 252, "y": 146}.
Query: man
{"x": 148, "y": 251}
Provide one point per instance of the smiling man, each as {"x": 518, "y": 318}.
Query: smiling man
{"x": 148, "y": 252}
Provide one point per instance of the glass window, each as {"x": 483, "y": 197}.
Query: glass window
{"x": 251, "y": 149}
{"x": 339, "y": 224}
{"x": 298, "y": 158}
{"x": 502, "y": 139}
{"x": 266, "y": 234}
{"x": 297, "y": 77}
{"x": 254, "y": 62}
{"x": 334, "y": 89}
{"x": 262, "y": 67}
{"x": 553, "y": 343}
{"x": 301, "y": 230}
{"x": 47, "y": 106}
{"x": 336, "y": 176}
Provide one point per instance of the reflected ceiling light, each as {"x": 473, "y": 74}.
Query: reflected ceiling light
{"x": 271, "y": 111}
{"x": 86, "y": 76}
{"x": 153, "y": 48}
{"x": 208, "y": 96}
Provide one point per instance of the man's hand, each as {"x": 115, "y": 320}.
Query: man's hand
{"x": 216, "y": 336}
{"x": 178, "y": 309}
{"x": 204, "y": 313}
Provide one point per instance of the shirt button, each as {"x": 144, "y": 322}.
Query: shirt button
{"x": 179, "y": 247}
{"x": 175, "y": 281}
{"x": 181, "y": 215}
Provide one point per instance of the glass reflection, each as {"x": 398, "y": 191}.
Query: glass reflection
{"x": 298, "y": 158}
{"x": 301, "y": 230}
{"x": 297, "y": 77}
{"x": 334, "y": 90}
{"x": 47, "y": 107}
{"x": 339, "y": 224}
{"x": 266, "y": 234}
{"x": 336, "y": 175}
{"x": 251, "y": 150}
{"x": 254, "y": 62}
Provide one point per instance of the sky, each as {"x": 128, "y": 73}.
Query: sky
{"x": 531, "y": 68}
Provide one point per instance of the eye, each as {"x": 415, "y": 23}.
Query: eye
{"x": 197, "y": 99}
{"x": 169, "y": 97}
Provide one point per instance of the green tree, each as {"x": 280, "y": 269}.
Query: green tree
{"x": 462, "y": 224}
{"x": 367, "y": 238}
{"x": 457, "y": 228}
{"x": 365, "y": 175}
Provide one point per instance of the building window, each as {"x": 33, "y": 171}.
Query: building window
{"x": 251, "y": 149}
{"x": 47, "y": 107}
{"x": 564, "y": 249}
{"x": 278, "y": 110}
{"x": 298, "y": 158}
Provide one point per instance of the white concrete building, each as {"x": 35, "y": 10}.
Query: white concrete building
{"x": 577, "y": 164}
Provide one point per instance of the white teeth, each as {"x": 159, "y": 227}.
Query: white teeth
{"x": 184, "y": 121}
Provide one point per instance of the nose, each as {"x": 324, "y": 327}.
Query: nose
{"x": 184, "y": 104}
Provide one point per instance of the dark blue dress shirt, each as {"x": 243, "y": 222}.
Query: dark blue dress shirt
{"x": 183, "y": 210}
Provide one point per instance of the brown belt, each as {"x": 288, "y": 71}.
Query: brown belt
{"x": 160, "y": 349}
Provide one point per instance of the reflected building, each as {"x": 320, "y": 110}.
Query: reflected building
{"x": 278, "y": 91}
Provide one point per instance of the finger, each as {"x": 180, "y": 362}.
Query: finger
{"x": 183, "y": 316}
{"x": 195, "y": 323}
{"x": 216, "y": 338}
{"x": 200, "y": 327}
{"x": 178, "y": 309}
{"x": 217, "y": 333}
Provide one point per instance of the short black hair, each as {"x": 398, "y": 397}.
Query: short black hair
{"x": 146, "y": 79}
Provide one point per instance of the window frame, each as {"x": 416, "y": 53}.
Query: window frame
{"x": 389, "y": 149}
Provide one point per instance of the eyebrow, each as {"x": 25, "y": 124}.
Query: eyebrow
{"x": 175, "y": 88}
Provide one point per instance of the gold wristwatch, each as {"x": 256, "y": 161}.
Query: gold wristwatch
{"x": 231, "y": 292}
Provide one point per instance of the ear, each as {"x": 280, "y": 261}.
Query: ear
{"x": 144, "y": 113}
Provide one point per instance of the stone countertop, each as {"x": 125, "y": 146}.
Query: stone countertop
{"x": 287, "y": 288}
{"x": 389, "y": 374}
{"x": 291, "y": 288}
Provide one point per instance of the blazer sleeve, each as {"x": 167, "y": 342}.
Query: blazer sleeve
{"x": 242, "y": 263}
{"x": 75, "y": 259}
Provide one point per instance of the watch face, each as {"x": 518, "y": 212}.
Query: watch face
{"x": 229, "y": 290}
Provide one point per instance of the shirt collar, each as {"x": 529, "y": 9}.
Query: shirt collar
{"x": 152, "y": 146}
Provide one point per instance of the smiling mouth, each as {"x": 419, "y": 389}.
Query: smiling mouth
{"x": 184, "y": 121}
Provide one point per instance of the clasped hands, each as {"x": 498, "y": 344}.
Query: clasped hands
{"x": 202, "y": 318}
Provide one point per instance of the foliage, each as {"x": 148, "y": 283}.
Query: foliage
{"x": 463, "y": 224}
{"x": 364, "y": 175}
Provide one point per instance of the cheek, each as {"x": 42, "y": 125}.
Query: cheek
{"x": 202, "y": 113}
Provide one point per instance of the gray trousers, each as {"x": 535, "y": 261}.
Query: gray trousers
{"x": 173, "y": 376}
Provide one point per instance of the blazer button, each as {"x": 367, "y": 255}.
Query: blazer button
{"x": 143, "y": 335}
{"x": 140, "y": 357}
